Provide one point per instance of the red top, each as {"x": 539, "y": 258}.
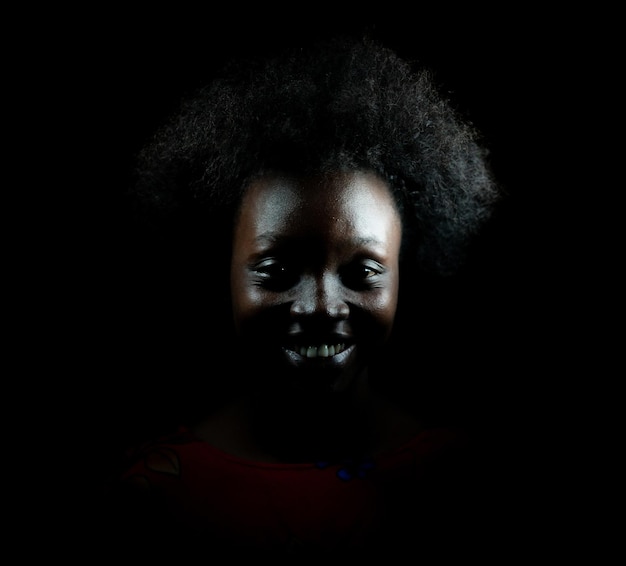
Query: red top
{"x": 223, "y": 499}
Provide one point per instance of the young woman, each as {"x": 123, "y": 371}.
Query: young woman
{"x": 314, "y": 205}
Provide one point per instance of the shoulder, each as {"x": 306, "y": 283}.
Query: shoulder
{"x": 132, "y": 512}
{"x": 158, "y": 459}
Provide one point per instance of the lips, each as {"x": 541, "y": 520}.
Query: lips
{"x": 324, "y": 366}
{"x": 320, "y": 350}
{"x": 329, "y": 353}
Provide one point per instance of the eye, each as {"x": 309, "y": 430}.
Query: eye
{"x": 275, "y": 275}
{"x": 362, "y": 275}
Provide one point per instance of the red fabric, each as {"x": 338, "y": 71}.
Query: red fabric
{"x": 264, "y": 505}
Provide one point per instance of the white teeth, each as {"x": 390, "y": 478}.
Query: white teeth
{"x": 321, "y": 351}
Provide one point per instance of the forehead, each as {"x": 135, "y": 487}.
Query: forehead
{"x": 342, "y": 201}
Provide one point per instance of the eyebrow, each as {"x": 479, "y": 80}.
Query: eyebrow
{"x": 367, "y": 241}
{"x": 267, "y": 238}
{"x": 271, "y": 238}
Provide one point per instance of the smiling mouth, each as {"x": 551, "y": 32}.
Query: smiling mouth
{"x": 320, "y": 350}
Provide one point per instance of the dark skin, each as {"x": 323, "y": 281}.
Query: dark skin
{"x": 314, "y": 287}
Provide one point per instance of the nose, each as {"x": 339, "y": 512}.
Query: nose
{"x": 321, "y": 296}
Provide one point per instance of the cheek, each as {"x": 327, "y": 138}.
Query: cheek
{"x": 242, "y": 301}
{"x": 250, "y": 304}
{"x": 382, "y": 307}
{"x": 390, "y": 304}
{"x": 387, "y": 310}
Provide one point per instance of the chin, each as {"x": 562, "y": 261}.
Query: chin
{"x": 294, "y": 373}
{"x": 319, "y": 378}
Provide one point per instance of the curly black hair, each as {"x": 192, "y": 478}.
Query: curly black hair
{"x": 341, "y": 103}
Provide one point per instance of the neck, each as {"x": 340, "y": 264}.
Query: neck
{"x": 283, "y": 428}
{"x": 314, "y": 427}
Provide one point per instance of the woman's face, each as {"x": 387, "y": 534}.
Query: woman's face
{"x": 314, "y": 277}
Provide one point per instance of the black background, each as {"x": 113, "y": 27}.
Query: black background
{"x": 100, "y": 82}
